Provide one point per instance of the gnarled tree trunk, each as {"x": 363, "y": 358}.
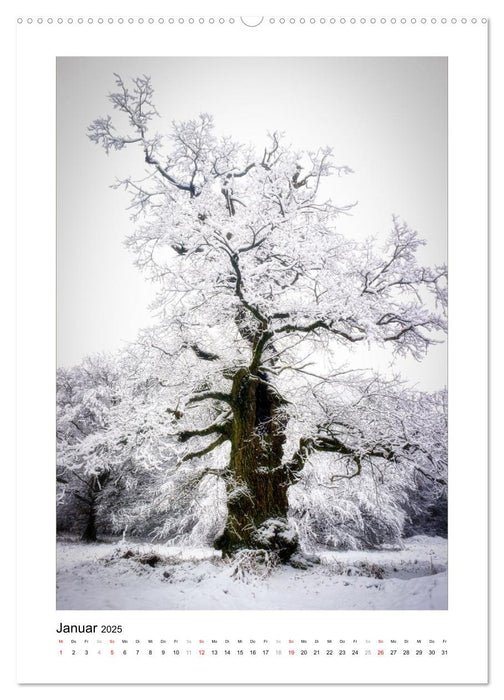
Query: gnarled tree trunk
{"x": 258, "y": 482}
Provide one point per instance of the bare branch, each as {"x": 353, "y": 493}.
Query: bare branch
{"x": 211, "y": 395}
{"x": 221, "y": 428}
{"x": 200, "y": 453}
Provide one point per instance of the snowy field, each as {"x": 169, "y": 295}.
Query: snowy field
{"x": 129, "y": 576}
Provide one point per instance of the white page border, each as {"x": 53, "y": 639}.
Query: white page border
{"x": 465, "y": 46}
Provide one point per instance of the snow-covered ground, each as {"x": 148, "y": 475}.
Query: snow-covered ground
{"x": 129, "y": 576}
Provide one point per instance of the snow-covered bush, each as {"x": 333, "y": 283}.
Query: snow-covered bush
{"x": 248, "y": 565}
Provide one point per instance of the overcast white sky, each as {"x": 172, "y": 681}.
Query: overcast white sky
{"x": 385, "y": 117}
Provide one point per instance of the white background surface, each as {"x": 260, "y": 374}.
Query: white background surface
{"x": 386, "y": 8}
{"x": 465, "y": 46}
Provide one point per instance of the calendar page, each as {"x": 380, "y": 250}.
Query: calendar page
{"x": 239, "y": 363}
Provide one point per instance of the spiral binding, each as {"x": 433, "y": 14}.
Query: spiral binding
{"x": 251, "y": 22}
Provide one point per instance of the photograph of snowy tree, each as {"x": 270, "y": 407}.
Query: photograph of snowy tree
{"x": 254, "y": 413}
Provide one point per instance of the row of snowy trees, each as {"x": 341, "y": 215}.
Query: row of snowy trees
{"x": 120, "y": 466}
{"x": 234, "y": 417}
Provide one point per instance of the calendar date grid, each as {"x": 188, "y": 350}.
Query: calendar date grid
{"x": 200, "y": 648}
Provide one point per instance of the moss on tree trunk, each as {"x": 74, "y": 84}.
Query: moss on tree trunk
{"x": 257, "y": 485}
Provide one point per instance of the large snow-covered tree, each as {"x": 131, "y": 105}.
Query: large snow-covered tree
{"x": 260, "y": 297}
{"x": 112, "y": 442}
{"x": 86, "y": 396}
